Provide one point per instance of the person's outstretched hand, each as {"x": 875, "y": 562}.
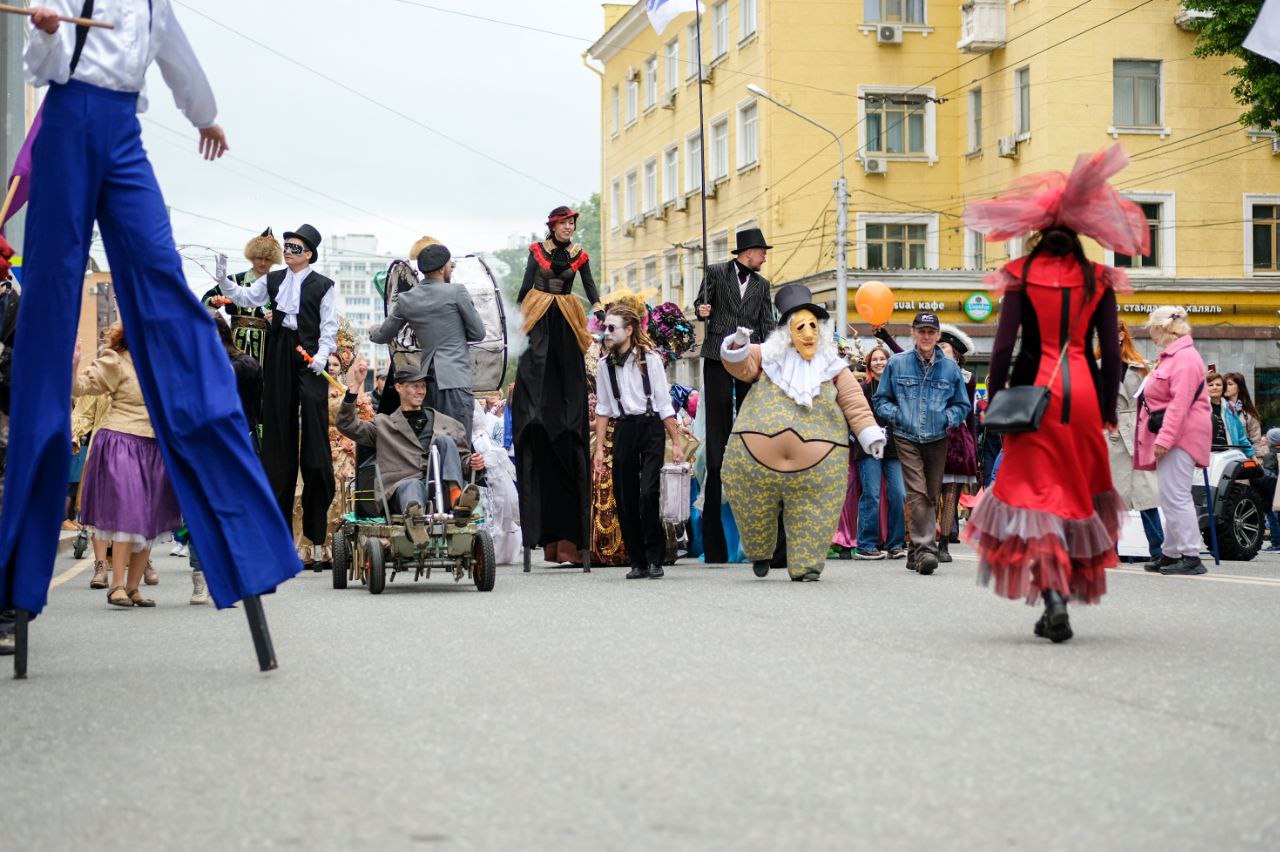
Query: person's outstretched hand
{"x": 213, "y": 142}
{"x": 356, "y": 375}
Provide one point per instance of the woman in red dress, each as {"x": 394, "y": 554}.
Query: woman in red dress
{"x": 1048, "y": 527}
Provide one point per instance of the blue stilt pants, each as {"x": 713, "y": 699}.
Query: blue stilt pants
{"x": 89, "y": 164}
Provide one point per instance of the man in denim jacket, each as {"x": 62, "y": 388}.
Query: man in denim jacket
{"x": 921, "y": 395}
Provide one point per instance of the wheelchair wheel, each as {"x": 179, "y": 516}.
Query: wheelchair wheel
{"x": 483, "y": 569}
{"x": 341, "y": 559}
{"x": 375, "y": 566}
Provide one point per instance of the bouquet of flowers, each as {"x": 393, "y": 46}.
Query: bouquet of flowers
{"x": 670, "y": 330}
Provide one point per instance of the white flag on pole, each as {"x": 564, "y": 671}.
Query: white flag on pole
{"x": 1264, "y": 38}
{"x": 663, "y": 12}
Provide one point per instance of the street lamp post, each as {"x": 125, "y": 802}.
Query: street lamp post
{"x": 842, "y": 213}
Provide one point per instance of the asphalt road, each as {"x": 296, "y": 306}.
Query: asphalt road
{"x": 709, "y": 710}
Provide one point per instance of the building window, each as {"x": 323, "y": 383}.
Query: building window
{"x": 615, "y": 203}
{"x": 632, "y": 274}
{"x": 633, "y": 101}
{"x": 719, "y": 148}
{"x": 1136, "y": 93}
{"x": 615, "y": 111}
{"x": 748, "y": 18}
{"x": 975, "y": 250}
{"x": 651, "y": 185}
{"x": 975, "y": 120}
{"x": 1264, "y": 226}
{"x": 633, "y": 196}
{"x": 671, "y": 277}
{"x": 651, "y": 273}
{"x": 719, "y": 248}
{"x": 1152, "y": 258}
{"x": 670, "y": 174}
{"x": 897, "y": 240}
{"x": 672, "y": 57}
{"x": 651, "y": 82}
{"x": 1022, "y": 101}
{"x": 893, "y": 11}
{"x": 895, "y": 123}
{"x": 1161, "y": 258}
{"x": 695, "y": 53}
{"x": 720, "y": 29}
{"x": 748, "y": 134}
{"x": 692, "y": 275}
{"x": 693, "y": 159}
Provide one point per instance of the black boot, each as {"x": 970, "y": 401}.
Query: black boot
{"x": 1057, "y": 626}
{"x": 656, "y": 572}
{"x": 638, "y": 572}
{"x": 761, "y": 567}
{"x": 1159, "y": 562}
{"x": 944, "y": 554}
{"x": 1186, "y": 566}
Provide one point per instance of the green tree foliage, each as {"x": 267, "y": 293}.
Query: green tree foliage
{"x": 1257, "y": 85}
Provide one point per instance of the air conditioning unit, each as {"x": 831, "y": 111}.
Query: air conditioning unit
{"x": 633, "y": 74}
{"x": 710, "y": 189}
{"x": 668, "y": 100}
{"x": 659, "y": 212}
{"x": 706, "y": 72}
{"x": 682, "y": 203}
{"x": 1007, "y": 146}
{"x": 638, "y": 221}
{"x": 875, "y": 165}
{"x": 889, "y": 34}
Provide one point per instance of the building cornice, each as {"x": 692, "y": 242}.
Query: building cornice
{"x": 620, "y": 34}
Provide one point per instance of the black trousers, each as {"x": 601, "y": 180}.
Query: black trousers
{"x": 638, "y": 445}
{"x": 295, "y": 398}
{"x": 722, "y": 395}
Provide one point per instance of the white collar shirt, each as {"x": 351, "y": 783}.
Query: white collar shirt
{"x": 288, "y": 300}
{"x": 145, "y": 31}
{"x": 631, "y": 388}
{"x": 744, "y": 279}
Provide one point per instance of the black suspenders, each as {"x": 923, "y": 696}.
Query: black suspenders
{"x": 82, "y": 33}
{"x": 644, "y": 378}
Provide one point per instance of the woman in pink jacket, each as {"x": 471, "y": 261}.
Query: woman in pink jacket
{"x": 1177, "y": 440}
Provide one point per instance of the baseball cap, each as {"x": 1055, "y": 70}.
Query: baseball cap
{"x": 924, "y": 319}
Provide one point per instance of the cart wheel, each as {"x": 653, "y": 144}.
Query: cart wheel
{"x": 483, "y": 569}
{"x": 374, "y": 566}
{"x": 341, "y": 559}
{"x": 81, "y": 544}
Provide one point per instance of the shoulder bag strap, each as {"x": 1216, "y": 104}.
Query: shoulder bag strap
{"x": 82, "y": 33}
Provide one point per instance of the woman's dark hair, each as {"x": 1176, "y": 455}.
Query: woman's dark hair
{"x": 224, "y": 334}
{"x": 1242, "y": 394}
{"x": 1060, "y": 242}
{"x": 115, "y": 337}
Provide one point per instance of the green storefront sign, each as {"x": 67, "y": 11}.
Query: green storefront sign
{"x": 978, "y": 307}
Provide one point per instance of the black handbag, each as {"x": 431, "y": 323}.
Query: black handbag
{"x": 1021, "y": 408}
{"x": 1155, "y": 419}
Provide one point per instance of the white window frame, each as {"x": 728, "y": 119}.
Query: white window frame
{"x": 695, "y": 55}
{"x": 873, "y": 13}
{"x": 633, "y": 102}
{"x": 747, "y": 159}
{"x": 670, "y": 179}
{"x": 671, "y": 58}
{"x": 671, "y": 289}
{"x": 973, "y": 123}
{"x": 1015, "y": 247}
{"x": 1018, "y": 118}
{"x": 975, "y": 250}
{"x": 692, "y": 266}
{"x": 615, "y": 204}
{"x": 633, "y": 276}
{"x": 632, "y": 187}
{"x": 931, "y": 244}
{"x": 748, "y": 19}
{"x": 615, "y": 111}
{"x": 650, "y": 83}
{"x": 1157, "y": 129}
{"x": 651, "y": 186}
{"x": 719, "y": 30}
{"x": 713, "y": 241}
{"x": 717, "y": 175}
{"x": 1166, "y": 263}
{"x": 1250, "y": 199}
{"x": 693, "y": 165}
{"x": 929, "y": 93}
{"x": 646, "y": 282}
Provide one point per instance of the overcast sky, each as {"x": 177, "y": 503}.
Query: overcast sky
{"x": 520, "y": 97}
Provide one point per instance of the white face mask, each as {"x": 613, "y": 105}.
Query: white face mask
{"x": 616, "y": 333}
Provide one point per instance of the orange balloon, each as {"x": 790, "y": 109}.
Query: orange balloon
{"x": 874, "y": 301}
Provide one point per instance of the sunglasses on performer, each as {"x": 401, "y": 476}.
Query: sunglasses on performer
{"x": 294, "y": 248}
{"x": 610, "y": 327}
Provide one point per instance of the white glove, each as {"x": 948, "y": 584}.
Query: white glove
{"x": 877, "y": 449}
{"x": 741, "y": 337}
{"x": 318, "y": 364}
{"x": 872, "y": 439}
{"x": 220, "y": 269}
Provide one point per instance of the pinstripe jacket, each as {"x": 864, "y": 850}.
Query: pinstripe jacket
{"x": 730, "y": 309}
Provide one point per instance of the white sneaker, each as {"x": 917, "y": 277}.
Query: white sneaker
{"x": 199, "y": 591}
{"x": 179, "y": 550}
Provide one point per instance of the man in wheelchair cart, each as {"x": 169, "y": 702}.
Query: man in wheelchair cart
{"x": 403, "y": 442}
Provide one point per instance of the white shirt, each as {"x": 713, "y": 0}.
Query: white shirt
{"x": 743, "y": 281}
{"x": 631, "y": 387}
{"x": 118, "y": 59}
{"x": 288, "y": 297}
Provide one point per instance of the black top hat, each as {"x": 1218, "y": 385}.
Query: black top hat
{"x": 310, "y": 236}
{"x": 432, "y": 258}
{"x": 749, "y": 239}
{"x": 792, "y": 297}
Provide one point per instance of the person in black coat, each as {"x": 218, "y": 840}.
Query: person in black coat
{"x": 734, "y": 294}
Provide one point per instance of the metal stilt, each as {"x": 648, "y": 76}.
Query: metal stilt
{"x": 21, "y": 619}
{"x": 261, "y": 634}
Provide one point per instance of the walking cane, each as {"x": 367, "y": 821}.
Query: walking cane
{"x": 1213, "y": 527}
{"x": 261, "y": 634}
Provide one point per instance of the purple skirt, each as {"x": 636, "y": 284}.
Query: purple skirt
{"x": 125, "y": 489}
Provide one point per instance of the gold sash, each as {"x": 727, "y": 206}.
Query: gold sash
{"x": 536, "y": 303}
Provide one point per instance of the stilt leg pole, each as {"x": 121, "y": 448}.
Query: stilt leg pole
{"x": 261, "y": 635}
{"x": 527, "y": 560}
{"x": 21, "y": 619}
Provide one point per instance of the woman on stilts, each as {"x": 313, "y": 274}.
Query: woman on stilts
{"x": 1047, "y": 529}
{"x": 549, "y": 403}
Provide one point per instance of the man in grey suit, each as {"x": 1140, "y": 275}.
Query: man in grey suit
{"x": 445, "y": 320}
{"x": 733, "y": 295}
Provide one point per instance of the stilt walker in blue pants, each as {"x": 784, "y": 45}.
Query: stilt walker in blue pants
{"x": 89, "y": 164}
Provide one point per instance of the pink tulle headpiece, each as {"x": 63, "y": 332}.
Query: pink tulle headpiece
{"x": 1082, "y": 201}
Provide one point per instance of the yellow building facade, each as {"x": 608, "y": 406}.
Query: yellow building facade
{"x": 936, "y": 104}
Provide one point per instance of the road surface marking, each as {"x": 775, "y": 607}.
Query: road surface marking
{"x": 71, "y": 573}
